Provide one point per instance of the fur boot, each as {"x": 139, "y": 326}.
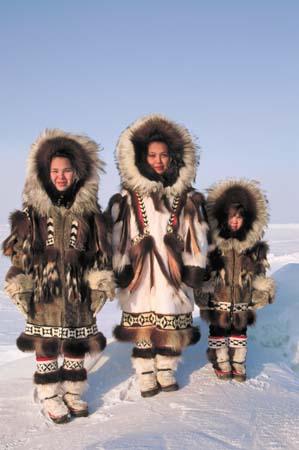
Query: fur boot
{"x": 72, "y": 397}
{"x": 146, "y": 374}
{"x": 53, "y": 405}
{"x": 166, "y": 367}
{"x": 218, "y": 355}
{"x": 238, "y": 351}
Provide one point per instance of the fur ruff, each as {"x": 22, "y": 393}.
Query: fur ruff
{"x": 222, "y": 319}
{"x": 86, "y": 162}
{"x": 130, "y": 174}
{"x": 249, "y": 194}
{"x": 73, "y": 375}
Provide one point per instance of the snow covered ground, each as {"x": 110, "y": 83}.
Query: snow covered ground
{"x": 204, "y": 414}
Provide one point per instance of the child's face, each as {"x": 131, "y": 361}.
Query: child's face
{"x": 61, "y": 173}
{"x": 235, "y": 222}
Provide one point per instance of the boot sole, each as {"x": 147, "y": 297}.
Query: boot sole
{"x": 223, "y": 375}
{"x": 60, "y": 420}
{"x": 170, "y": 388}
{"x": 79, "y": 413}
{"x": 150, "y": 393}
{"x": 239, "y": 378}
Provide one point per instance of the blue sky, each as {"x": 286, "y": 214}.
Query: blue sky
{"x": 228, "y": 70}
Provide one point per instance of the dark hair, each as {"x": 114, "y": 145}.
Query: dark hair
{"x": 236, "y": 209}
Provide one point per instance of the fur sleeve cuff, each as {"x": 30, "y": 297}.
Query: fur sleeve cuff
{"x": 18, "y": 284}
{"x": 102, "y": 280}
{"x": 193, "y": 276}
{"x": 265, "y": 284}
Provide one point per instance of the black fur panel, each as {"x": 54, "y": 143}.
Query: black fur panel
{"x": 146, "y": 353}
{"x": 46, "y": 378}
{"x": 79, "y": 347}
{"x": 167, "y": 351}
{"x": 73, "y": 375}
{"x": 42, "y": 346}
{"x": 124, "y": 278}
{"x": 195, "y": 336}
{"x": 193, "y": 276}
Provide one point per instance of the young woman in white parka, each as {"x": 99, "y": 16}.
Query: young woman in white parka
{"x": 159, "y": 247}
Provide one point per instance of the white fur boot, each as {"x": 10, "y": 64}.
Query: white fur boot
{"x": 72, "y": 397}
{"x": 218, "y": 355}
{"x": 238, "y": 351}
{"x": 146, "y": 373}
{"x": 166, "y": 367}
{"x": 53, "y": 405}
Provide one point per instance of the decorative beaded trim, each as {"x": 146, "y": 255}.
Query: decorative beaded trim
{"x": 74, "y": 232}
{"x": 217, "y": 342}
{"x": 73, "y": 364}
{"x": 144, "y": 219}
{"x": 237, "y": 341}
{"x": 47, "y": 366}
{"x": 163, "y": 321}
{"x": 61, "y": 332}
{"x": 50, "y": 232}
{"x": 226, "y": 306}
{"x": 143, "y": 344}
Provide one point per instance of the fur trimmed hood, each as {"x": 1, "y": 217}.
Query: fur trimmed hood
{"x": 249, "y": 195}
{"x": 131, "y": 150}
{"x": 83, "y": 153}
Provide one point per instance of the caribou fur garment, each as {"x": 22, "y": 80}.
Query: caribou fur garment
{"x": 60, "y": 248}
{"x": 238, "y": 263}
{"x": 159, "y": 236}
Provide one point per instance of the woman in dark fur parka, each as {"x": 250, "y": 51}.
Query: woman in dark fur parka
{"x": 236, "y": 282}
{"x": 61, "y": 267}
{"x": 159, "y": 247}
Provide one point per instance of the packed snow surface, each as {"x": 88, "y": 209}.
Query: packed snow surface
{"x": 205, "y": 413}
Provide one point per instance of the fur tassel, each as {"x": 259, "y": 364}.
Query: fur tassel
{"x": 138, "y": 254}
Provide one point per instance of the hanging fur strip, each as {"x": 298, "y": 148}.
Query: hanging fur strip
{"x": 175, "y": 248}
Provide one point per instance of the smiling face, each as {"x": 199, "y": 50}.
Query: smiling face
{"x": 158, "y": 157}
{"x": 62, "y": 173}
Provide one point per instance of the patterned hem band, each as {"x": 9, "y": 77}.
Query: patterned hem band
{"x": 73, "y": 364}
{"x": 237, "y": 341}
{"x": 61, "y": 332}
{"x": 226, "y": 306}
{"x": 47, "y": 366}
{"x": 217, "y": 342}
{"x": 163, "y": 321}
{"x": 143, "y": 344}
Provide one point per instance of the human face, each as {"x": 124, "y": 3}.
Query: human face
{"x": 61, "y": 173}
{"x": 158, "y": 157}
{"x": 235, "y": 222}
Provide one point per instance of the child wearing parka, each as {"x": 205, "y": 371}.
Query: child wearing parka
{"x": 235, "y": 282}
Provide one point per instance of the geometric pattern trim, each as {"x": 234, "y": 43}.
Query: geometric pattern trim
{"x": 143, "y": 344}
{"x": 217, "y": 342}
{"x": 50, "y": 231}
{"x": 47, "y": 366}
{"x": 237, "y": 341}
{"x": 73, "y": 364}
{"x": 227, "y": 306}
{"x": 163, "y": 321}
{"x": 61, "y": 332}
